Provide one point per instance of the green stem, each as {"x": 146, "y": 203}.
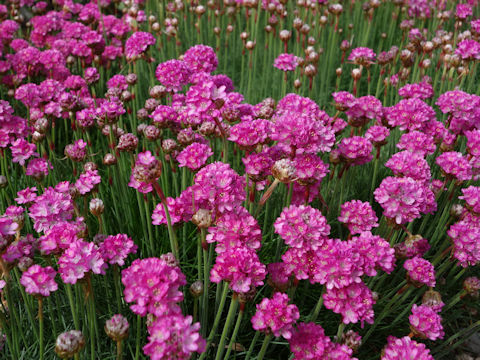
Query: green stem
{"x": 226, "y": 328}
{"x": 252, "y": 345}
{"x": 40, "y": 321}
{"x": 213, "y": 332}
{"x": 235, "y": 332}
{"x": 263, "y": 350}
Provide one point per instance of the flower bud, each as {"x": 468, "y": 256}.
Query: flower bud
{"x": 472, "y": 286}
{"x": 202, "y": 218}
{"x": 284, "y": 170}
{"x": 3, "y": 181}
{"x": 69, "y": 343}
{"x": 109, "y": 159}
{"x": 352, "y": 339}
{"x": 117, "y": 327}
{"x": 196, "y": 289}
{"x": 96, "y": 207}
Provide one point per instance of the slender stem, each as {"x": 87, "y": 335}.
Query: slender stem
{"x": 119, "y": 350}
{"x": 40, "y": 321}
{"x": 226, "y": 328}
{"x": 213, "y": 332}
{"x": 139, "y": 336}
{"x": 235, "y": 332}
{"x": 252, "y": 345}
{"x": 264, "y": 347}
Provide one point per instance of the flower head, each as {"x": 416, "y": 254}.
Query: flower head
{"x": 39, "y": 280}
{"x": 426, "y": 323}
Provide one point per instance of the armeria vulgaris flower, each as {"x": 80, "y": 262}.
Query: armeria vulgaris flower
{"x": 117, "y": 327}
{"x": 173, "y": 74}
{"x": 39, "y": 280}
{"x": 362, "y": 56}
{"x": 76, "y": 151}
{"x": 173, "y": 337}
{"x": 417, "y": 142}
{"x": 22, "y": 150}
{"x": 240, "y": 267}
{"x": 302, "y": 227}
{"x": 201, "y": 58}
{"x": 466, "y": 247}
{"x": 471, "y": 195}
{"x": 152, "y": 285}
{"x": 310, "y": 169}
{"x": 420, "y": 271}
{"x": 137, "y": 44}
{"x": 411, "y": 114}
{"x": 286, "y": 62}
{"x": 377, "y": 135}
{"x": 194, "y": 156}
{"x": 454, "y": 165}
{"x": 426, "y": 323}
{"x": 116, "y": 248}
{"x": 147, "y": 169}
{"x": 405, "y": 349}
{"x": 355, "y": 150}
{"x": 358, "y": 216}
{"x": 80, "y": 258}
{"x": 87, "y": 181}
{"x": 309, "y": 342}
{"x": 407, "y": 164}
{"x": 69, "y": 343}
{"x": 402, "y": 199}
{"x": 354, "y": 302}
{"x": 421, "y": 90}
{"x": 275, "y": 316}
{"x": 50, "y": 207}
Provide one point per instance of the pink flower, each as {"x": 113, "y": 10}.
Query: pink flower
{"x": 402, "y": 199}
{"x": 466, "y": 247}
{"x": 78, "y": 259}
{"x": 248, "y": 134}
{"x": 371, "y": 252}
{"x": 343, "y": 100}
{"x": 358, "y": 216}
{"x": 426, "y": 323}
{"x": 173, "y": 74}
{"x": 278, "y": 278}
{"x": 137, "y": 44}
{"x": 365, "y": 108}
{"x": 50, "y": 207}
{"x": 355, "y": 150}
{"x": 219, "y": 187}
{"x": 60, "y": 236}
{"x": 362, "y": 56}
{"x": 76, "y": 151}
{"x": 22, "y": 150}
{"x": 471, "y": 195}
{"x": 453, "y": 164}
{"x": 421, "y": 90}
{"x": 407, "y": 164}
{"x": 26, "y": 196}
{"x": 7, "y": 226}
{"x": 309, "y": 342}
{"x": 235, "y": 229}
{"x": 377, "y": 135}
{"x": 201, "y": 58}
{"x": 420, "y": 271}
{"x": 239, "y": 266}
{"x": 194, "y": 156}
{"x": 173, "y": 337}
{"x": 275, "y": 316}
{"x": 302, "y": 227}
{"x": 286, "y": 62}
{"x": 38, "y": 168}
{"x": 39, "y": 281}
{"x": 353, "y": 302}
{"x": 310, "y": 169}
{"x": 116, "y": 248}
{"x": 417, "y": 143}
{"x": 152, "y": 284}
{"x": 147, "y": 169}
{"x": 87, "y": 181}
{"x": 411, "y": 114}
{"x": 405, "y": 349}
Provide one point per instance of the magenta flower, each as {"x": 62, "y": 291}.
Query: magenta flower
{"x": 39, "y": 281}
{"x": 421, "y": 90}
{"x": 147, "y": 169}
{"x": 201, "y": 58}
{"x": 417, "y": 143}
{"x": 173, "y": 337}
{"x": 50, "y": 207}
{"x": 60, "y": 236}
{"x": 219, "y": 187}
{"x": 38, "y": 168}
{"x": 407, "y": 164}
{"x": 235, "y": 229}
{"x": 362, "y": 56}
{"x": 309, "y": 342}
{"x": 137, "y": 44}
{"x": 364, "y": 109}
{"x": 371, "y": 252}
{"x": 76, "y": 151}
{"x": 116, "y": 248}
{"x": 343, "y": 100}
{"x": 7, "y": 226}
{"x": 402, "y": 199}
{"x": 250, "y": 133}
{"x": 275, "y": 316}
{"x": 377, "y": 135}
{"x": 152, "y": 286}
{"x": 173, "y": 74}
{"x": 356, "y": 150}
{"x": 278, "y": 278}
{"x": 358, "y": 216}
{"x": 454, "y": 165}
{"x": 239, "y": 266}
{"x": 302, "y": 227}
{"x": 353, "y": 302}
{"x": 405, "y": 349}
{"x": 466, "y": 247}
{"x": 463, "y": 11}
{"x": 87, "y": 181}
{"x": 420, "y": 271}
{"x": 411, "y": 114}
{"x": 26, "y": 196}
{"x": 194, "y": 156}
{"x": 22, "y": 151}
{"x": 310, "y": 169}
{"x": 471, "y": 195}
{"x": 468, "y": 49}
{"x": 286, "y": 62}
{"x": 80, "y": 258}
{"x": 426, "y": 323}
